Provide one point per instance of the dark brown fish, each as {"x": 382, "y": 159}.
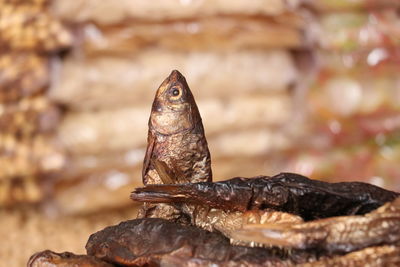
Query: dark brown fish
{"x": 287, "y": 192}
{"x": 158, "y": 242}
{"x": 49, "y": 258}
{"x": 332, "y": 235}
{"x": 177, "y": 150}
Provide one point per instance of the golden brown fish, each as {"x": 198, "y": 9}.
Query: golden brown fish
{"x": 177, "y": 150}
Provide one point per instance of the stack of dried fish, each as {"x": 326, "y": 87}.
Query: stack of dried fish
{"x": 29, "y": 36}
{"x": 124, "y": 49}
{"x": 187, "y": 220}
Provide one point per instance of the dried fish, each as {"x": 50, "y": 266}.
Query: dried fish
{"x": 30, "y": 156}
{"x": 332, "y": 235}
{"x": 227, "y": 222}
{"x": 17, "y": 190}
{"x": 287, "y": 192}
{"x": 177, "y": 148}
{"x": 157, "y": 242}
{"x": 22, "y": 75}
{"x": 29, "y": 27}
{"x": 176, "y": 135}
{"x": 29, "y": 117}
{"x": 35, "y": 3}
{"x": 66, "y": 259}
{"x": 254, "y": 33}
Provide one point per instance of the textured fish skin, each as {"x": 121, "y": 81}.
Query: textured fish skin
{"x": 158, "y": 242}
{"x": 286, "y": 192}
{"x": 336, "y": 235}
{"x": 177, "y": 150}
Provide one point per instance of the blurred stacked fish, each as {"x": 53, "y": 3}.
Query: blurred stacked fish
{"x": 354, "y": 102}
{"x": 29, "y": 39}
{"x": 236, "y": 57}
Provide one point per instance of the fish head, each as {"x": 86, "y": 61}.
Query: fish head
{"x": 174, "y": 109}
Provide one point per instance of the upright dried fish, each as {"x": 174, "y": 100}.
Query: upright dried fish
{"x": 177, "y": 150}
{"x": 158, "y": 242}
{"x": 176, "y": 136}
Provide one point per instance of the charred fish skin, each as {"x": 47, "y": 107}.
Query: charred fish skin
{"x": 161, "y": 242}
{"x": 287, "y": 192}
{"x": 176, "y": 136}
{"x": 177, "y": 150}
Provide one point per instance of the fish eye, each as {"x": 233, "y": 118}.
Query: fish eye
{"x": 175, "y": 92}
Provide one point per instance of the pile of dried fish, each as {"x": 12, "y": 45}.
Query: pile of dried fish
{"x": 29, "y": 39}
{"x": 187, "y": 220}
{"x": 31, "y": 27}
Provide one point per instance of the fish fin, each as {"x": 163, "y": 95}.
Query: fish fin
{"x": 160, "y": 193}
{"x": 149, "y": 152}
{"x": 164, "y": 172}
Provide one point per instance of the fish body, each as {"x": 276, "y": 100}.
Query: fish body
{"x": 158, "y": 242}
{"x": 177, "y": 150}
{"x": 286, "y": 192}
{"x": 176, "y": 136}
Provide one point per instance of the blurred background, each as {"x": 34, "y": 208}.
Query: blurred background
{"x": 310, "y": 87}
